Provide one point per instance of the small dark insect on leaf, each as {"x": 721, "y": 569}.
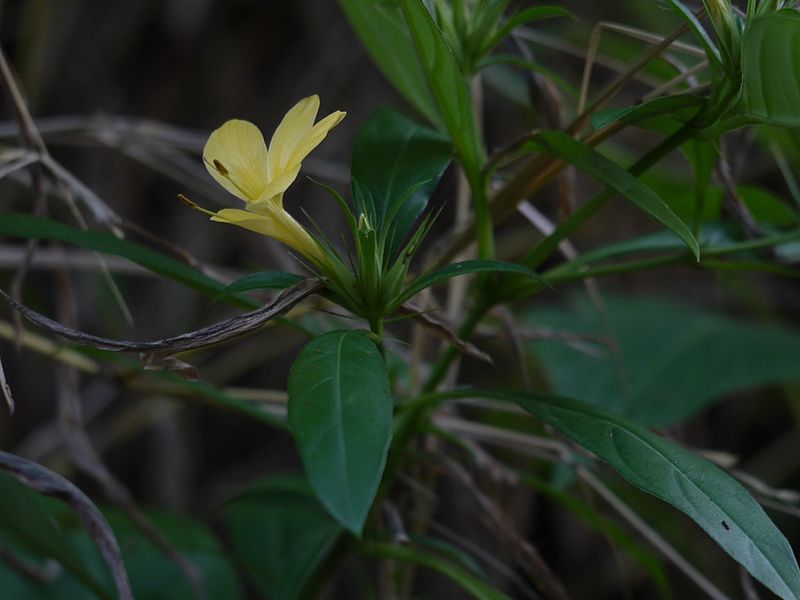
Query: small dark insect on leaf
{"x": 220, "y": 167}
{"x": 726, "y": 526}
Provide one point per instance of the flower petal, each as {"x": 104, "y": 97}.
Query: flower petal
{"x": 313, "y": 138}
{"x": 292, "y": 129}
{"x": 297, "y": 136}
{"x": 236, "y": 156}
{"x": 279, "y": 225}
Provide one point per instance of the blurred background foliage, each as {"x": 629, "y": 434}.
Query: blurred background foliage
{"x": 125, "y": 93}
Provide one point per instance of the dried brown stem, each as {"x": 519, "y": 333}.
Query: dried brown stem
{"x": 159, "y": 349}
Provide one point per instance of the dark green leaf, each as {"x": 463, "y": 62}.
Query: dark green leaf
{"x": 264, "y": 280}
{"x": 155, "y": 577}
{"x": 282, "y": 534}
{"x": 446, "y": 83}
{"x": 668, "y": 361}
{"x": 697, "y": 29}
{"x": 25, "y": 523}
{"x": 462, "y": 268}
{"x": 476, "y": 588}
{"x": 681, "y": 107}
{"x": 396, "y": 165}
{"x": 382, "y": 29}
{"x": 340, "y": 411}
{"x": 536, "y": 13}
{"x": 712, "y": 498}
{"x": 771, "y": 69}
{"x": 711, "y": 236}
{"x": 33, "y": 227}
{"x": 598, "y": 166}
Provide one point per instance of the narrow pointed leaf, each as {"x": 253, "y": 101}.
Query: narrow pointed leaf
{"x": 382, "y": 29}
{"x": 462, "y": 268}
{"x": 475, "y": 587}
{"x": 590, "y": 161}
{"x": 263, "y": 280}
{"x": 33, "y": 227}
{"x": 681, "y": 107}
{"x": 536, "y": 13}
{"x": 340, "y": 412}
{"x": 712, "y": 498}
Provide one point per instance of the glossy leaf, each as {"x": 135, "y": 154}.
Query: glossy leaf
{"x": 709, "y": 496}
{"x": 670, "y": 361}
{"x": 446, "y": 83}
{"x": 466, "y": 267}
{"x": 382, "y": 29}
{"x": 282, "y": 534}
{"x": 607, "y": 172}
{"x": 396, "y": 165}
{"x": 340, "y": 412}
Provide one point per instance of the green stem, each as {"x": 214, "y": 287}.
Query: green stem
{"x": 483, "y": 215}
{"x": 546, "y": 247}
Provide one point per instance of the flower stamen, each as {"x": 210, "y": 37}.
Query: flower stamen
{"x": 220, "y": 168}
{"x": 223, "y": 171}
{"x": 194, "y": 205}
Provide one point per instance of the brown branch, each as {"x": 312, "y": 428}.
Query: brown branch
{"x": 443, "y": 331}
{"x": 207, "y": 336}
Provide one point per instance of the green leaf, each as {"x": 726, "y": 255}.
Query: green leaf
{"x": 461, "y": 268}
{"x": 536, "y": 13}
{"x": 263, "y": 280}
{"x": 26, "y": 523}
{"x": 396, "y": 165}
{"x": 771, "y": 69}
{"x": 382, "y": 29}
{"x": 340, "y": 411}
{"x": 154, "y": 576}
{"x": 598, "y": 166}
{"x": 281, "y": 534}
{"x": 447, "y": 84}
{"x": 474, "y": 586}
{"x": 698, "y": 358}
{"x": 712, "y": 236}
{"x": 698, "y": 30}
{"x": 33, "y": 227}
{"x": 681, "y": 107}
{"x": 709, "y": 496}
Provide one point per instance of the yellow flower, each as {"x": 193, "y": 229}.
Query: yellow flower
{"x": 237, "y": 157}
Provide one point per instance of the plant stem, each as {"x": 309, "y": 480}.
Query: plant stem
{"x": 483, "y": 215}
